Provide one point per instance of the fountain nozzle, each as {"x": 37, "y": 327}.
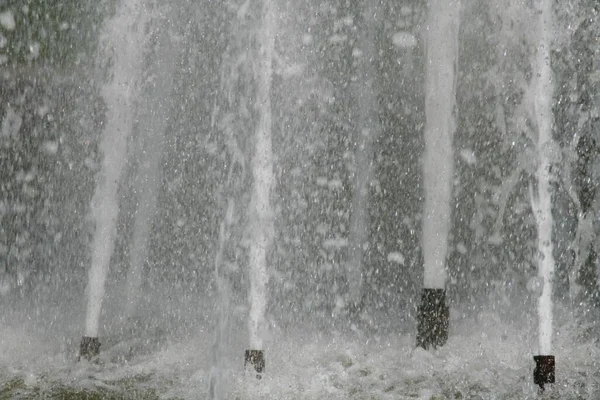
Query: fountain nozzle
{"x": 544, "y": 370}
{"x": 256, "y": 358}
{"x": 89, "y": 348}
{"x": 433, "y": 319}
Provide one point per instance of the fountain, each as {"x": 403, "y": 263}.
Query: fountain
{"x": 124, "y": 42}
{"x": 438, "y": 171}
{"x": 153, "y": 120}
{"x": 215, "y": 380}
{"x": 261, "y": 214}
{"x": 242, "y": 198}
{"x": 368, "y": 131}
{"x": 541, "y": 200}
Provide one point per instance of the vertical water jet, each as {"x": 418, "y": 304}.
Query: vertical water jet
{"x": 261, "y": 213}
{"x": 123, "y": 42}
{"x": 153, "y": 120}
{"x": 367, "y": 132}
{"x": 541, "y": 195}
{"x": 438, "y": 168}
{"x": 215, "y": 382}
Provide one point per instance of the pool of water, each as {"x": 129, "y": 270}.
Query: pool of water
{"x": 485, "y": 358}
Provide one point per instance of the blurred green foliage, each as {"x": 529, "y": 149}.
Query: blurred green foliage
{"x": 127, "y": 388}
{"x": 55, "y": 33}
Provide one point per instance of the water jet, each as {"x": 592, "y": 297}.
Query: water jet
{"x": 261, "y": 210}
{"x": 438, "y": 167}
{"x": 124, "y": 39}
{"x": 542, "y": 87}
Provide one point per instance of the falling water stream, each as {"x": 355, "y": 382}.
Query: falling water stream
{"x": 216, "y": 379}
{"x": 153, "y": 120}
